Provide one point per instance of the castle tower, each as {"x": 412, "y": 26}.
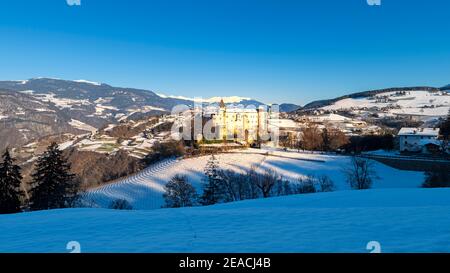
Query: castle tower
{"x": 222, "y": 104}
{"x": 223, "y": 120}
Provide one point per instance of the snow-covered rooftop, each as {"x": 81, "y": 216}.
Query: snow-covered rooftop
{"x": 419, "y": 131}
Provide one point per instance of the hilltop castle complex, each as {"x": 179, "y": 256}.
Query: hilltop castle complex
{"x": 240, "y": 124}
{"x": 247, "y": 125}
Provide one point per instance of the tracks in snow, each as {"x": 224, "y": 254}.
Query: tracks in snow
{"x": 143, "y": 190}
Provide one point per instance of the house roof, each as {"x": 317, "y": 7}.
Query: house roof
{"x": 419, "y": 132}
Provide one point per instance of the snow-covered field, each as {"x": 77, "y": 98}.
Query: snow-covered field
{"x": 145, "y": 190}
{"x": 413, "y": 103}
{"x": 61, "y": 103}
{"x": 401, "y": 220}
{"x": 137, "y": 146}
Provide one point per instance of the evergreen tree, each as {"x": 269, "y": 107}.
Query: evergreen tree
{"x": 10, "y": 180}
{"x": 445, "y": 128}
{"x": 213, "y": 186}
{"x": 439, "y": 178}
{"x": 53, "y": 185}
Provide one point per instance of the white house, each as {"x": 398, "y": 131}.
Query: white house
{"x": 416, "y": 139}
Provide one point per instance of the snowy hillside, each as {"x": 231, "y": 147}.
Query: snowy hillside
{"x": 41, "y": 107}
{"x": 144, "y": 190}
{"x": 231, "y": 99}
{"x": 426, "y": 103}
{"x": 401, "y": 220}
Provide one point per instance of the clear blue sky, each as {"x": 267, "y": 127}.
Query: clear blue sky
{"x": 275, "y": 51}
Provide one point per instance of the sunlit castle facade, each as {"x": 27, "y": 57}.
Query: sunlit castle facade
{"x": 243, "y": 124}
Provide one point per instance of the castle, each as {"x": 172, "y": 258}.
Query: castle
{"x": 242, "y": 124}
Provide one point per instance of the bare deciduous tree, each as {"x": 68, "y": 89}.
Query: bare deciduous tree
{"x": 306, "y": 185}
{"x": 236, "y": 186}
{"x": 179, "y": 193}
{"x": 265, "y": 182}
{"x": 337, "y": 139}
{"x": 360, "y": 173}
{"x": 325, "y": 184}
{"x": 312, "y": 137}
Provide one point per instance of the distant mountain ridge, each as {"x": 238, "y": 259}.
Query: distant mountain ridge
{"x": 84, "y": 90}
{"x": 412, "y": 106}
{"x": 31, "y": 109}
{"x": 38, "y": 107}
{"x": 118, "y": 97}
{"x": 289, "y": 107}
{"x": 322, "y": 103}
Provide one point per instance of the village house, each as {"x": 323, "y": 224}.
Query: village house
{"x": 419, "y": 140}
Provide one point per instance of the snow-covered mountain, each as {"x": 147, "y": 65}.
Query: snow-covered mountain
{"x": 288, "y": 107}
{"x": 235, "y": 100}
{"x": 73, "y": 94}
{"x": 427, "y": 103}
{"x": 418, "y": 101}
{"x": 231, "y": 99}
{"x": 39, "y": 107}
{"x": 103, "y": 100}
{"x": 33, "y": 108}
{"x": 30, "y": 109}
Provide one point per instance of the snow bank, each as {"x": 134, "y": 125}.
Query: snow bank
{"x": 402, "y": 220}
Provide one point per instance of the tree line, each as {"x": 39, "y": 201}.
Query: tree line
{"x": 312, "y": 138}
{"x": 444, "y": 131}
{"x": 329, "y": 139}
{"x": 223, "y": 186}
{"x": 52, "y": 186}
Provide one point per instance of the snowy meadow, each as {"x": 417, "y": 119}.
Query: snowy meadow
{"x": 396, "y": 213}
